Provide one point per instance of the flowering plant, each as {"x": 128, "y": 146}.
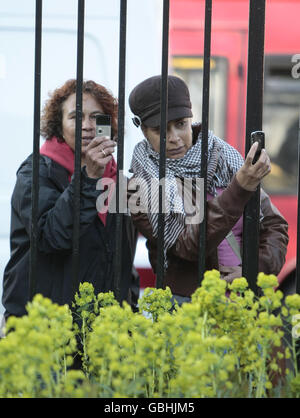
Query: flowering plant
{"x": 226, "y": 342}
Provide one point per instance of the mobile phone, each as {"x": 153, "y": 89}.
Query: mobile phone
{"x": 103, "y": 125}
{"x": 258, "y": 136}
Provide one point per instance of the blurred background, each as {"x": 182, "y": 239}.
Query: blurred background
{"x": 228, "y": 89}
{"x": 59, "y": 52}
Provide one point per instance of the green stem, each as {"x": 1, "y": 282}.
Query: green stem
{"x": 262, "y": 376}
{"x": 294, "y": 356}
{"x": 85, "y": 356}
{"x": 203, "y": 331}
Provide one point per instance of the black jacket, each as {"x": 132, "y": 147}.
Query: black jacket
{"x": 55, "y": 225}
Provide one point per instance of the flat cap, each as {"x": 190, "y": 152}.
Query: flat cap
{"x": 144, "y": 101}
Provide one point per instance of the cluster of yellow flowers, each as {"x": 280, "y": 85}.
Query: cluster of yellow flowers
{"x": 226, "y": 342}
{"x": 38, "y": 348}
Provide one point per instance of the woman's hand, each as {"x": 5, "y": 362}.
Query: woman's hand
{"x": 96, "y": 154}
{"x": 250, "y": 175}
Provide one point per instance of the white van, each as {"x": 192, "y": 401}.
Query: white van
{"x": 59, "y": 52}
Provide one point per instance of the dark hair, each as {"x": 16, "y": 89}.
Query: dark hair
{"x": 51, "y": 120}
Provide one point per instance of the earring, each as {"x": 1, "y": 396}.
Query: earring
{"x": 137, "y": 121}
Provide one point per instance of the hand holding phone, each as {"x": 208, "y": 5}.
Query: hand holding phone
{"x": 99, "y": 151}
{"x": 248, "y": 176}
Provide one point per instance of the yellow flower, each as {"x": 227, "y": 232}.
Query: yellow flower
{"x": 293, "y": 301}
{"x": 268, "y": 385}
{"x": 239, "y": 285}
{"x": 265, "y": 281}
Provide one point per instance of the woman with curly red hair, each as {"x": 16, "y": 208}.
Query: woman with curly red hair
{"x": 55, "y": 212}
{"x": 52, "y": 113}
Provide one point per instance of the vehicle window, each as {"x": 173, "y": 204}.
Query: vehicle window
{"x": 191, "y": 70}
{"x": 281, "y": 124}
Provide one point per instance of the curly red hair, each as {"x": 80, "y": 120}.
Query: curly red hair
{"x": 51, "y": 120}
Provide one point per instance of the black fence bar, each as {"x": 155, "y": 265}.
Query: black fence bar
{"x": 204, "y": 130}
{"x": 253, "y": 123}
{"x": 298, "y": 218}
{"x": 120, "y": 157}
{"x": 36, "y": 150}
{"x": 298, "y": 242}
{"x": 77, "y": 164}
{"x": 163, "y": 134}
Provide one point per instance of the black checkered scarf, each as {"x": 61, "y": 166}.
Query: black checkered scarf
{"x": 223, "y": 162}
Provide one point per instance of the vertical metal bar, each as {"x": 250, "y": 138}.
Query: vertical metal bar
{"x": 163, "y": 131}
{"x": 204, "y": 144}
{"x": 36, "y": 150}
{"x": 253, "y": 123}
{"x": 298, "y": 243}
{"x": 298, "y": 217}
{"x": 120, "y": 158}
{"x": 77, "y": 163}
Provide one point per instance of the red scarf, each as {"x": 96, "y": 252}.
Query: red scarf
{"x": 61, "y": 153}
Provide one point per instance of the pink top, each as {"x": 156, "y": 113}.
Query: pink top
{"x": 226, "y": 255}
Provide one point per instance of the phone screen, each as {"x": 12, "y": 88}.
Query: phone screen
{"x": 103, "y": 125}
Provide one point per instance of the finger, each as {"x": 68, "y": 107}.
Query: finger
{"x": 106, "y": 141}
{"x": 107, "y": 146}
{"x": 98, "y": 140}
{"x": 251, "y": 153}
{"x": 106, "y": 151}
{"x": 264, "y": 157}
{"x": 100, "y": 151}
{"x": 99, "y": 161}
{"x": 103, "y": 161}
{"x": 263, "y": 172}
{"x": 264, "y": 162}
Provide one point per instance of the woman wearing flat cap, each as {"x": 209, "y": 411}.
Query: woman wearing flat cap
{"x": 231, "y": 182}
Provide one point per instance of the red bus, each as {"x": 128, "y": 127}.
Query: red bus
{"x": 228, "y": 89}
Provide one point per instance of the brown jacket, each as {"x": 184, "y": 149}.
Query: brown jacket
{"x": 222, "y": 214}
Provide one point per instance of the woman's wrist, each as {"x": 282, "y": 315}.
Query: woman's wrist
{"x": 244, "y": 182}
{"x": 87, "y": 176}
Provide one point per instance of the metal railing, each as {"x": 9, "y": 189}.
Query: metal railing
{"x": 163, "y": 135}
{"x": 253, "y": 123}
{"x": 36, "y": 150}
{"x": 77, "y": 163}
